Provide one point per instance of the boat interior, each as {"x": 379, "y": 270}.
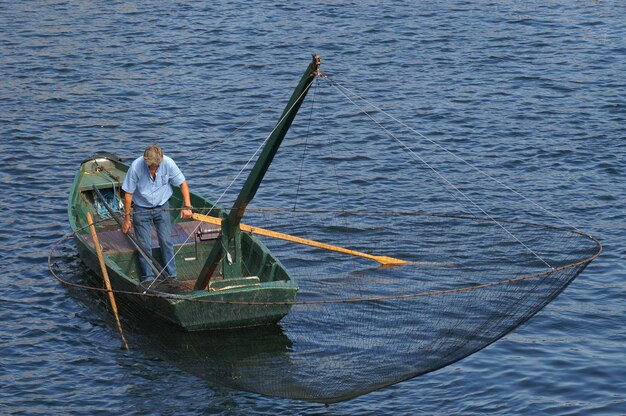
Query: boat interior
{"x": 193, "y": 239}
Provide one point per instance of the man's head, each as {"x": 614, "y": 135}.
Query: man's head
{"x": 153, "y": 155}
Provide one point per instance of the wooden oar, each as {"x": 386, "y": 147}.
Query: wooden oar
{"x": 383, "y": 260}
{"x": 105, "y": 275}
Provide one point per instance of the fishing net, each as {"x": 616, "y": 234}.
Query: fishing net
{"x": 479, "y": 263}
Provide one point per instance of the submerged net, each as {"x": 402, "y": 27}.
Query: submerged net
{"x": 358, "y": 327}
{"x": 355, "y": 327}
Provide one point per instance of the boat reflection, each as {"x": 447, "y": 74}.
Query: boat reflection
{"x": 239, "y": 358}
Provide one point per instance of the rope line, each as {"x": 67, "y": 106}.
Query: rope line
{"x": 63, "y": 239}
{"x": 306, "y": 142}
{"x": 482, "y": 172}
{"x": 409, "y": 213}
{"x": 265, "y": 109}
{"x": 420, "y": 159}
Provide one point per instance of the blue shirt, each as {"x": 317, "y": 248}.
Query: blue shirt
{"x": 148, "y": 192}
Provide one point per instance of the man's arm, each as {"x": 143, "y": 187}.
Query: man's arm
{"x": 128, "y": 198}
{"x": 186, "y": 209}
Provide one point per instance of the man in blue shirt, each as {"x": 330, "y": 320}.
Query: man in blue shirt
{"x": 148, "y": 184}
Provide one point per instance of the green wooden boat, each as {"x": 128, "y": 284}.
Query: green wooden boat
{"x": 226, "y": 278}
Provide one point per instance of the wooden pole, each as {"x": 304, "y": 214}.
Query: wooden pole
{"x": 383, "y": 260}
{"x": 230, "y": 224}
{"x": 105, "y": 276}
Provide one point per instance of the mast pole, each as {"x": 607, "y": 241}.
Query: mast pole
{"x": 230, "y": 224}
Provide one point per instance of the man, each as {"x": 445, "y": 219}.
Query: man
{"x": 148, "y": 184}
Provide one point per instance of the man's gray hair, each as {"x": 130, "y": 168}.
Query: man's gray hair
{"x": 153, "y": 155}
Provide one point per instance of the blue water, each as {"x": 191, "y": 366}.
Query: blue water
{"x": 532, "y": 91}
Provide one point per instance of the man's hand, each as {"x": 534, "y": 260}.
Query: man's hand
{"x": 186, "y": 213}
{"x": 126, "y": 225}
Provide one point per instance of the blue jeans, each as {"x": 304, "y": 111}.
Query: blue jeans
{"x": 143, "y": 219}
